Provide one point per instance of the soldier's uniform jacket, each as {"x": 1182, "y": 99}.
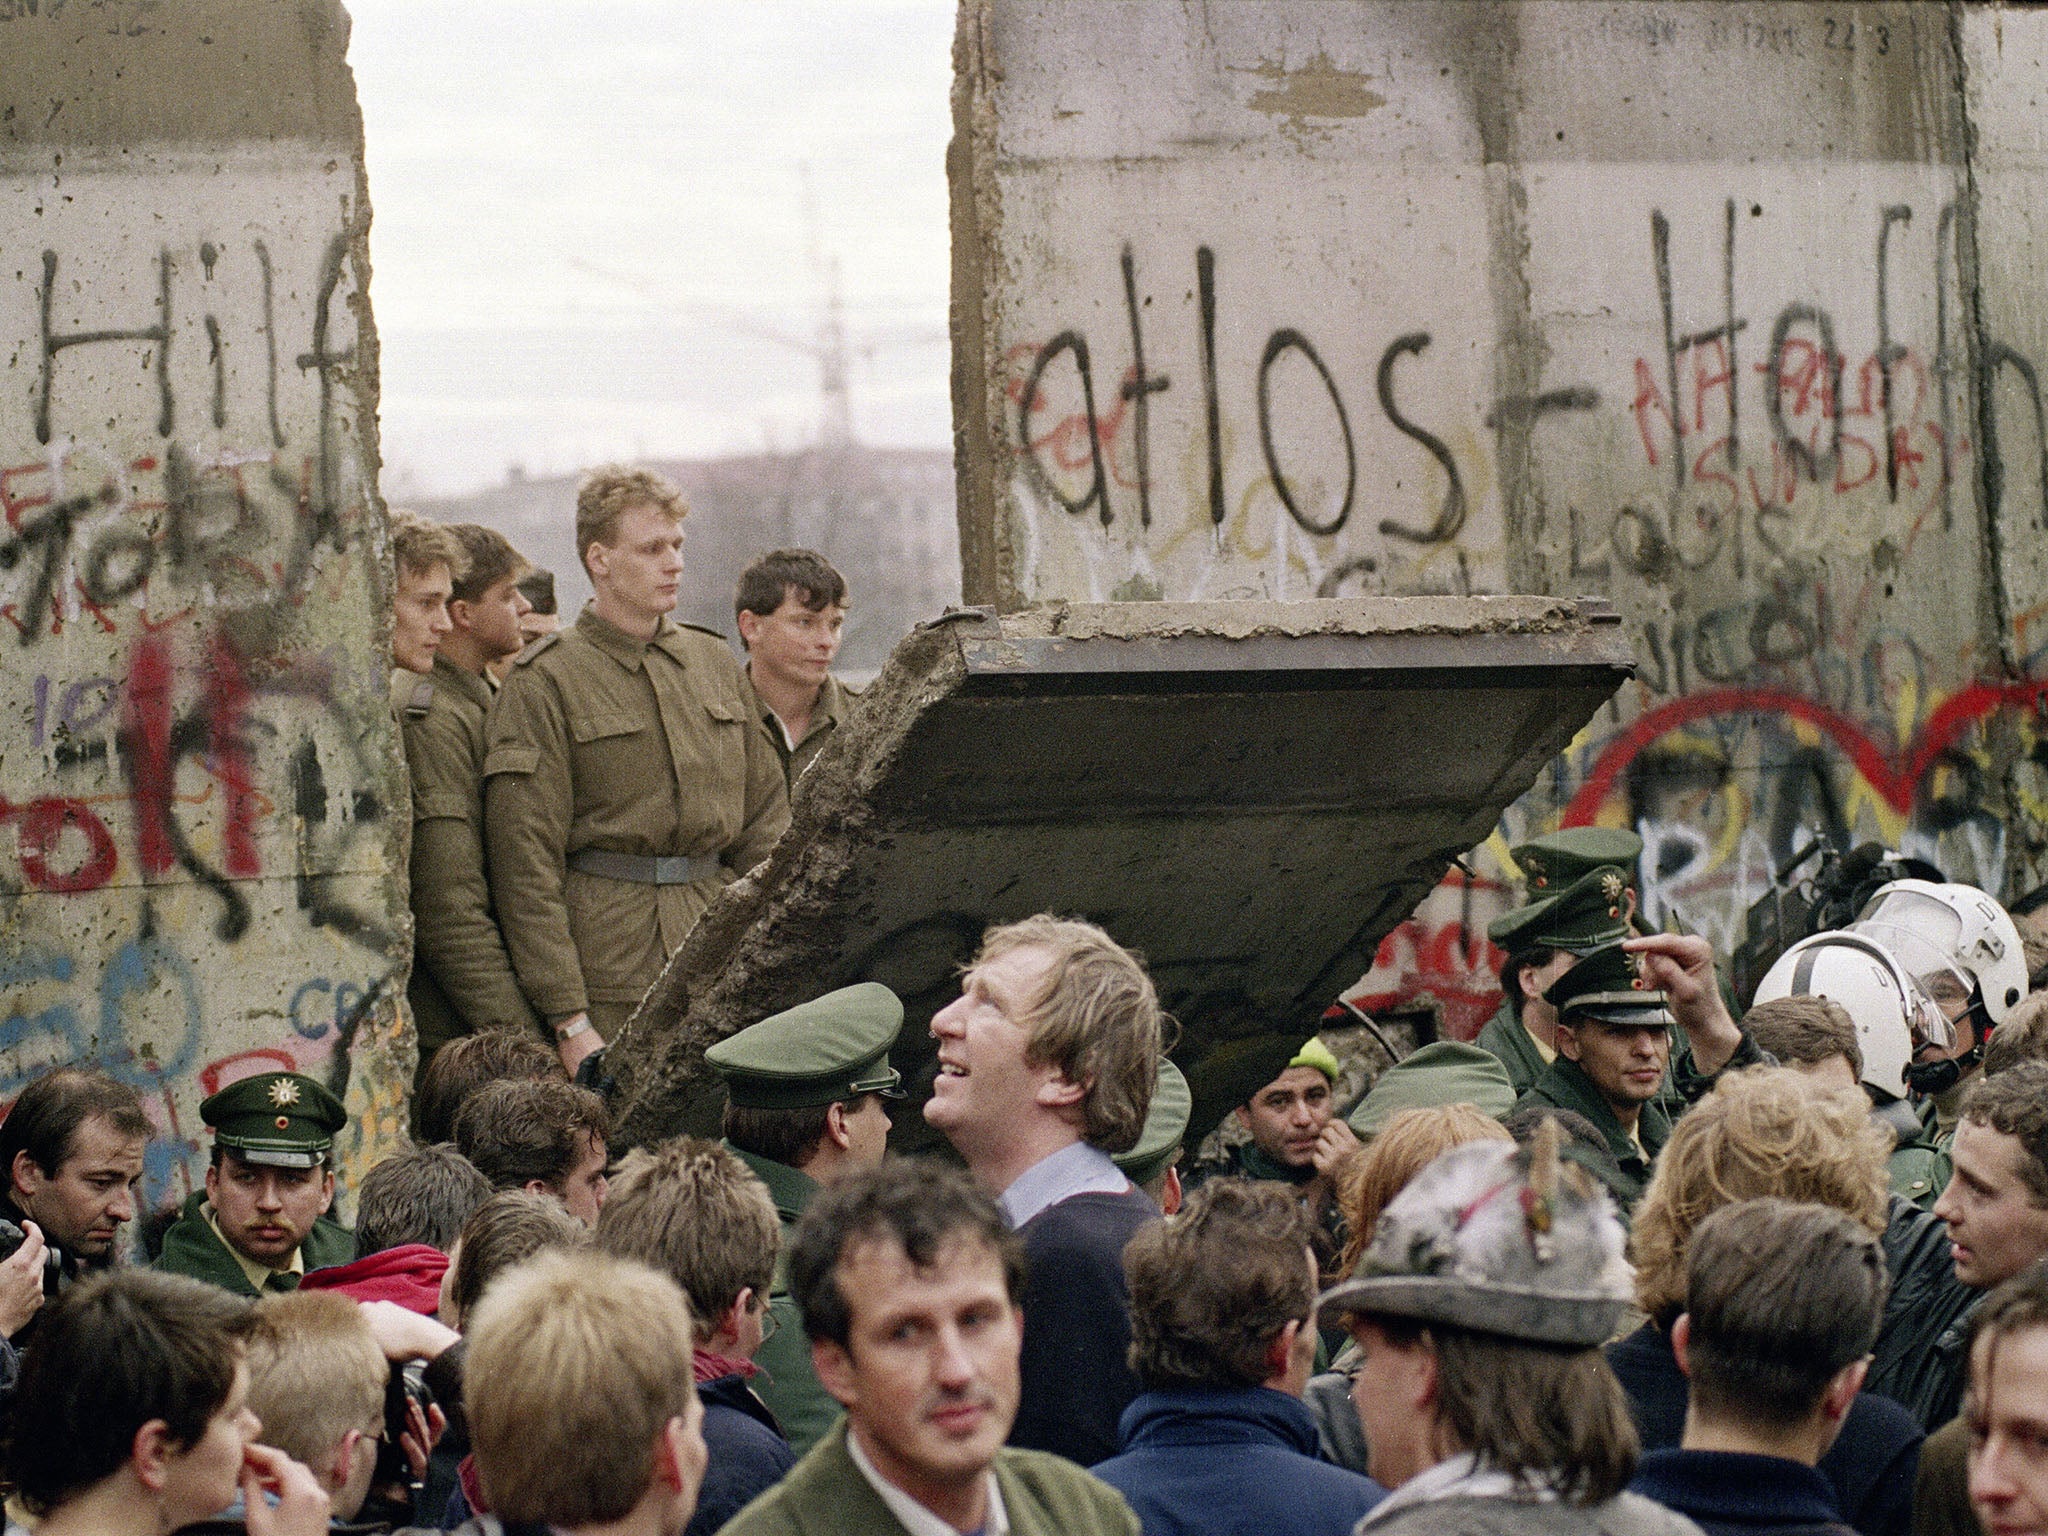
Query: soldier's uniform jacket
{"x": 835, "y": 703}
{"x": 649, "y": 748}
{"x": 462, "y": 979}
{"x": 1508, "y": 1039}
{"x": 194, "y": 1248}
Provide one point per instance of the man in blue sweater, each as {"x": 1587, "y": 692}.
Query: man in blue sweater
{"x": 1047, "y": 1065}
{"x": 1782, "y": 1305}
{"x": 1220, "y": 1443}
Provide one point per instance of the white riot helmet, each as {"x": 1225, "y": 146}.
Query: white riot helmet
{"x": 1955, "y": 929}
{"x": 1893, "y": 1016}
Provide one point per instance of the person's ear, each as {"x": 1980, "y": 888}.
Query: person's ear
{"x": 1841, "y": 1392}
{"x": 341, "y": 1463}
{"x": 1566, "y": 1042}
{"x": 1060, "y": 1092}
{"x": 326, "y": 1190}
{"x": 1244, "y": 1115}
{"x": 1170, "y": 1194}
{"x": 151, "y": 1453}
{"x": 458, "y": 612}
{"x": 833, "y": 1367}
{"x": 750, "y": 627}
{"x": 23, "y": 1176}
{"x": 1280, "y": 1349}
{"x": 735, "y": 1316}
{"x": 1681, "y": 1342}
{"x": 835, "y": 1127}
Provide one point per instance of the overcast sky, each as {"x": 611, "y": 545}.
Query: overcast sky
{"x": 589, "y": 212}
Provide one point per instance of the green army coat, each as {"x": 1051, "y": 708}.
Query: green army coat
{"x": 192, "y": 1248}
{"x": 644, "y": 747}
{"x": 835, "y": 703}
{"x": 825, "y": 1495}
{"x": 802, "y": 1406}
{"x": 462, "y": 979}
{"x": 1504, "y": 1036}
{"x": 1564, "y": 1085}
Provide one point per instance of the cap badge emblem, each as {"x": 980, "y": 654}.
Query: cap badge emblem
{"x": 284, "y": 1091}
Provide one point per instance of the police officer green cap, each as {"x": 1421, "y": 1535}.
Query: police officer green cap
{"x": 826, "y": 1051}
{"x": 280, "y": 1119}
{"x": 1235, "y": 1070}
{"x": 1608, "y": 987}
{"x": 1166, "y": 1126}
{"x": 1562, "y": 858}
{"x": 1442, "y": 1072}
{"x": 1591, "y": 911}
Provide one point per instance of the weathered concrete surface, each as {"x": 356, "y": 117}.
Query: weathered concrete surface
{"x": 198, "y": 772}
{"x": 1733, "y": 312}
{"x": 1252, "y": 794}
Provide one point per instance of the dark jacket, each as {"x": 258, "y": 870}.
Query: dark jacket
{"x": 1507, "y": 1039}
{"x": 788, "y": 1384}
{"x": 1232, "y": 1463}
{"x": 748, "y": 1454}
{"x": 1564, "y": 1085}
{"x": 191, "y": 1248}
{"x": 1727, "y": 1493}
{"x": 1920, "y": 1358}
{"x": 1870, "y": 1467}
{"x": 1074, "y": 1376}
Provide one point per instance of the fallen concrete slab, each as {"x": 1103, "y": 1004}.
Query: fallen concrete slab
{"x": 1251, "y": 794}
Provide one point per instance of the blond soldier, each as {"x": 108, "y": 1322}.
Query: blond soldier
{"x": 462, "y": 980}
{"x": 625, "y": 779}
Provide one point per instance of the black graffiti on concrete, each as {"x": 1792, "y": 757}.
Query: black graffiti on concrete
{"x": 55, "y": 342}
{"x": 1139, "y": 390}
{"x": 1281, "y": 342}
{"x": 1098, "y": 487}
{"x": 1450, "y": 517}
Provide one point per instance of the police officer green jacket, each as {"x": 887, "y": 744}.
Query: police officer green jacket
{"x": 462, "y": 979}
{"x": 803, "y": 1408}
{"x": 1505, "y": 1037}
{"x": 193, "y": 1248}
{"x": 606, "y": 754}
{"x": 825, "y": 1494}
{"x": 1564, "y": 1086}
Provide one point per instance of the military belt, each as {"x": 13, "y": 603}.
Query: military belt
{"x": 645, "y": 869}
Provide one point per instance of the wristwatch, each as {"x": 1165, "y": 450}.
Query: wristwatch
{"x": 567, "y": 1032}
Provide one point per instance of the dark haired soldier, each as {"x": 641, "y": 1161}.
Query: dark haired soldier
{"x": 907, "y": 1278}
{"x": 791, "y": 608}
{"x": 70, "y": 1160}
{"x": 1223, "y": 1337}
{"x": 806, "y": 1106}
{"x": 461, "y": 979}
{"x": 1782, "y": 1304}
{"x": 262, "y": 1221}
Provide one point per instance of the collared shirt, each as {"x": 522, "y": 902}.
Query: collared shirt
{"x": 1078, "y": 1169}
{"x": 1459, "y": 1477}
{"x": 913, "y": 1516}
{"x": 256, "y": 1274}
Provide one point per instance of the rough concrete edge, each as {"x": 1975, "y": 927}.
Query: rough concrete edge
{"x": 1493, "y": 614}
{"x": 976, "y": 219}
{"x": 386, "y": 1027}
{"x": 698, "y": 999}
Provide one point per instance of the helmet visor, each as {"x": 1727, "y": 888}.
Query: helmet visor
{"x": 1939, "y": 993}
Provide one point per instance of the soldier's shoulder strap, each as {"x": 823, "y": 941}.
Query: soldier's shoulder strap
{"x": 702, "y": 629}
{"x": 537, "y": 648}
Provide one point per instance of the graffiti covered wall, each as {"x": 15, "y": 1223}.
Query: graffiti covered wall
{"x": 198, "y": 763}
{"x": 1729, "y": 312}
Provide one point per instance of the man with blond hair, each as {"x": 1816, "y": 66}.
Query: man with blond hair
{"x": 1047, "y": 1064}
{"x": 426, "y": 562}
{"x": 582, "y": 1410}
{"x": 626, "y": 781}
{"x": 694, "y": 1211}
{"x": 1767, "y": 1131}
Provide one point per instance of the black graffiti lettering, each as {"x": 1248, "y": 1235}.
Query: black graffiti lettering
{"x": 1889, "y": 353}
{"x": 1660, "y": 259}
{"x": 220, "y": 373}
{"x": 270, "y": 342}
{"x": 1578, "y": 565}
{"x": 1996, "y": 357}
{"x": 1098, "y": 486}
{"x": 47, "y": 540}
{"x": 206, "y": 519}
{"x": 1801, "y": 454}
{"x": 1278, "y": 344}
{"x": 1734, "y": 330}
{"x": 1139, "y": 390}
{"x": 118, "y": 565}
{"x": 1521, "y": 410}
{"x": 1944, "y": 359}
{"x": 1205, "y": 282}
{"x": 327, "y": 364}
{"x": 55, "y": 341}
{"x": 1450, "y": 516}
{"x": 309, "y": 804}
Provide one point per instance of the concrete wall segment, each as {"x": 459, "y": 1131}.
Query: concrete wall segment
{"x": 1728, "y": 311}
{"x": 200, "y": 771}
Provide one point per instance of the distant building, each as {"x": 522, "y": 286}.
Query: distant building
{"x": 884, "y": 516}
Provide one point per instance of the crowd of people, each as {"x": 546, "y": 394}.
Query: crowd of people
{"x": 1629, "y": 1263}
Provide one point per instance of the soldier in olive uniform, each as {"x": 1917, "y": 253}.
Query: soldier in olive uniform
{"x": 1543, "y": 941}
{"x": 462, "y": 979}
{"x": 1614, "y": 1045}
{"x": 626, "y": 779}
{"x": 262, "y": 1221}
{"x": 805, "y": 1107}
{"x": 791, "y": 610}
